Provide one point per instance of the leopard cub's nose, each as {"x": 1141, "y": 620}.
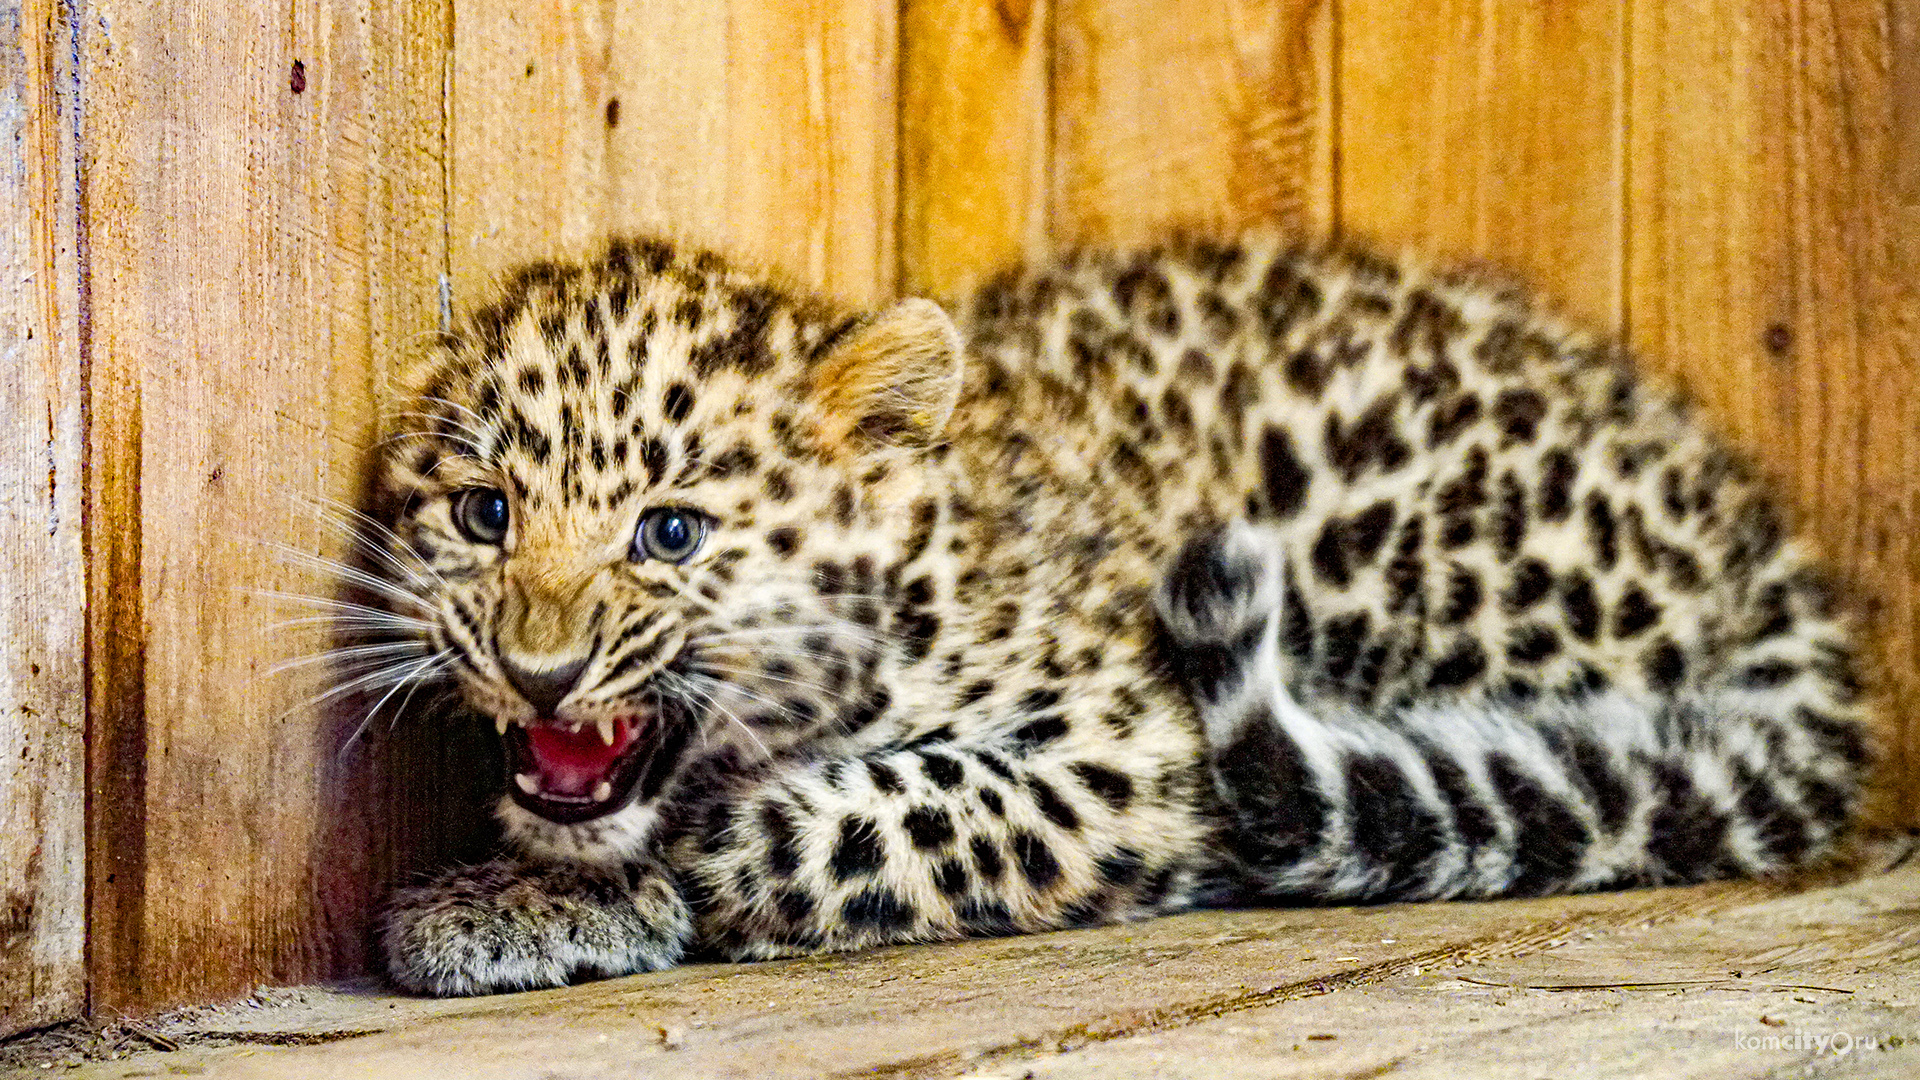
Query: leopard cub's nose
{"x": 545, "y": 689}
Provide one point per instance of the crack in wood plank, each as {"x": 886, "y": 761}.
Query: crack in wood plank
{"x": 1489, "y": 947}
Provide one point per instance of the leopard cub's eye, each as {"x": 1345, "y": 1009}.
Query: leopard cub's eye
{"x": 481, "y": 514}
{"x": 669, "y": 534}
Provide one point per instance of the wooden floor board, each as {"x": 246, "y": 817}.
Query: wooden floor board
{"x": 1685, "y": 982}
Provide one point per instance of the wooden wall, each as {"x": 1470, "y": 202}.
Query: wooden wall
{"x": 42, "y": 586}
{"x": 231, "y": 216}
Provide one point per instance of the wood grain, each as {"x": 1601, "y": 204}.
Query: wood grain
{"x": 1490, "y": 132}
{"x": 526, "y": 146}
{"x": 669, "y": 169}
{"x": 255, "y": 233}
{"x": 814, "y": 91}
{"x": 1191, "y": 113}
{"x": 263, "y": 253}
{"x": 218, "y": 270}
{"x": 1773, "y": 271}
{"x": 42, "y": 585}
{"x": 1575, "y": 986}
{"x": 975, "y": 139}
{"x": 762, "y": 128}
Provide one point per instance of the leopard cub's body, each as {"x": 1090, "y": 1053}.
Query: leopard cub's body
{"x": 1219, "y": 572}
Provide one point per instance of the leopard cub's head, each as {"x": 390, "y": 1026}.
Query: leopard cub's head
{"x": 651, "y": 510}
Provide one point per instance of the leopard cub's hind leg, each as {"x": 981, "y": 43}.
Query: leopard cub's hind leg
{"x": 1325, "y": 802}
{"x": 1270, "y": 760}
{"x": 1217, "y": 603}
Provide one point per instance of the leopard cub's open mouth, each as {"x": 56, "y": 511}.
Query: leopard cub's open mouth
{"x": 573, "y": 772}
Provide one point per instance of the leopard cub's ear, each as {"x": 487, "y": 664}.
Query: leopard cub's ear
{"x": 891, "y": 381}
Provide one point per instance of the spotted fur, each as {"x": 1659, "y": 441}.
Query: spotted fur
{"x": 1220, "y": 571}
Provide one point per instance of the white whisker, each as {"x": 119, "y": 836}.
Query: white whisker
{"x": 392, "y": 590}
{"x": 460, "y": 439}
{"x": 345, "y": 609}
{"x": 478, "y": 434}
{"x": 743, "y": 653}
{"x": 452, "y": 404}
{"x": 694, "y": 598}
{"x": 356, "y": 522}
{"x": 830, "y": 627}
{"x": 723, "y": 669}
{"x": 685, "y": 691}
{"x": 757, "y": 644}
{"x": 736, "y": 721}
{"x": 356, "y": 623}
{"x": 415, "y": 675}
{"x": 347, "y": 654}
{"x": 370, "y": 681}
{"x": 762, "y": 632}
{"x": 685, "y": 687}
{"x": 752, "y": 696}
{"x": 795, "y": 604}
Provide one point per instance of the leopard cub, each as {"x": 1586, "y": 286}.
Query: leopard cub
{"x": 1225, "y": 571}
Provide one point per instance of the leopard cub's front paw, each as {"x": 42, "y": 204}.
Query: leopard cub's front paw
{"x": 507, "y": 925}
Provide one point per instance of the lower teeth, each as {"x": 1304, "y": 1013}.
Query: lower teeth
{"x": 530, "y": 783}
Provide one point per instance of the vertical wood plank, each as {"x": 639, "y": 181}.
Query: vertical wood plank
{"x": 1490, "y": 131}
{"x": 975, "y": 139}
{"x": 1899, "y": 323}
{"x": 527, "y": 148}
{"x": 256, "y": 231}
{"x": 766, "y": 128}
{"x": 670, "y": 172}
{"x": 42, "y": 585}
{"x": 814, "y": 87}
{"x": 1709, "y": 204}
{"x": 413, "y": 791}
{"x": 1204, "y": 113}
{"x": 1774, "y": 271}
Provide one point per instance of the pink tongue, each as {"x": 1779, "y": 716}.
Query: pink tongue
{"x": 573, "y": 762}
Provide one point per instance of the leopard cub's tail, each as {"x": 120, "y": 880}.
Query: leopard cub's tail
{"x": 1476, "y": 797}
